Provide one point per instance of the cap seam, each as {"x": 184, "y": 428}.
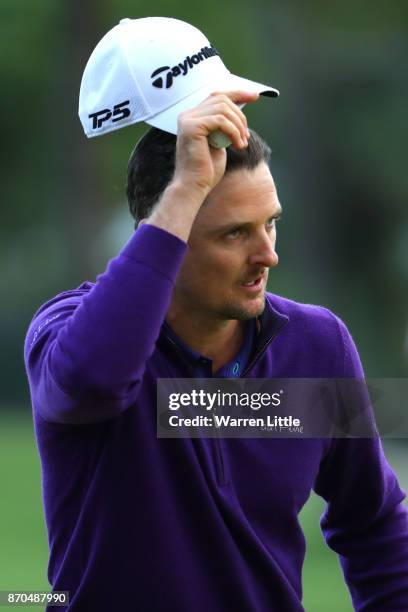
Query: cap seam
{"x": 136, "y": 87}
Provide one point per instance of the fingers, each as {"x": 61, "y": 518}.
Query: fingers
{"x": 238, "y": 96}
{"x": 198, "y": 164}
{"x": 231, "y": 112}
{"x": 223, "y": 101}
{"x": 220, "y": 112}
{"x": 228, "y": 127}
{"x": 202, "y": 127}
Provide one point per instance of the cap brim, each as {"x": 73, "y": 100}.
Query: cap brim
{"x": 167, "y": 120}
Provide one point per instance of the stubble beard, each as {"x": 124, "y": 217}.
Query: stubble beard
{"x": 240, "y": 313}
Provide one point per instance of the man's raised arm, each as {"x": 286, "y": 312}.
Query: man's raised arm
{"x": 86, "y": 350}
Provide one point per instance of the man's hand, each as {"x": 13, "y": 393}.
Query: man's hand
{"x": 199, "y": 167}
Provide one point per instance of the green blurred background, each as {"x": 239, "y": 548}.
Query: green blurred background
{"x": 339, "y": 136}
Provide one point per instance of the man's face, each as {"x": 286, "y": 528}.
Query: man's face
{"x": 231, "y": 248}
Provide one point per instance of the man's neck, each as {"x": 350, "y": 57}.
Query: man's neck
{"x": 218, "y": 340}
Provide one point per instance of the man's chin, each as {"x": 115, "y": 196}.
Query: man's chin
{"x": 245, "y": 311}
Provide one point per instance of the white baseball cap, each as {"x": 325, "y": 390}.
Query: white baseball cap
{"x": 152, "y": 69}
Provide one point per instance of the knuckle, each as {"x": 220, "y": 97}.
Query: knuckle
{"x": 220, "y": 118}
{"x": 224, "y": 98}
{"x": 223, "y": 119}
{"x": 224, "y": 107}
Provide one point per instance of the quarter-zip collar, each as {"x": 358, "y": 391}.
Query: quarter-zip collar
{"x": 267, "y": 325}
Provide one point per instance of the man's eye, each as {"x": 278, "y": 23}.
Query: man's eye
{"x": 270, "y": 224}
{"x": 233, "y": 234}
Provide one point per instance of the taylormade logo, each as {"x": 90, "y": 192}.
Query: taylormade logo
{"x": 181, "y": 68}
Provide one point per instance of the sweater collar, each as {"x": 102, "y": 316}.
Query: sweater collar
{"x": 270, "y": 322}
{"x": 267, "y": 326}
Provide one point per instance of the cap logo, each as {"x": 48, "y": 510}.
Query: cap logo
{"x": 118, "y": 112}
{"x": 181, "y": 68}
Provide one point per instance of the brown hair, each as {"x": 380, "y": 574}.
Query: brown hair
{"x": 151, "y": 167}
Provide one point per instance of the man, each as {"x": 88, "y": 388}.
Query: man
{"x": 141, "y": 523}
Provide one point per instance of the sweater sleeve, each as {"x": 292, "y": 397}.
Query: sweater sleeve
{"x": 86, "y": 351}
{"x": 365, "y": 521}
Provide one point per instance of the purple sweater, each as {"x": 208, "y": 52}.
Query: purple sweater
{"x": 204, "y": 525}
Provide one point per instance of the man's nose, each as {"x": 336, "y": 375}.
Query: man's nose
{"x": 264, "y": 252}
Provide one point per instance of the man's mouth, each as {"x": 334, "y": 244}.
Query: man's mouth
{"x": 252, "y": 283}
{"x": 255, "y": 284}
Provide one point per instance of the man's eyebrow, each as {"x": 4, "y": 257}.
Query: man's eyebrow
{"x": 248, "y": 224}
